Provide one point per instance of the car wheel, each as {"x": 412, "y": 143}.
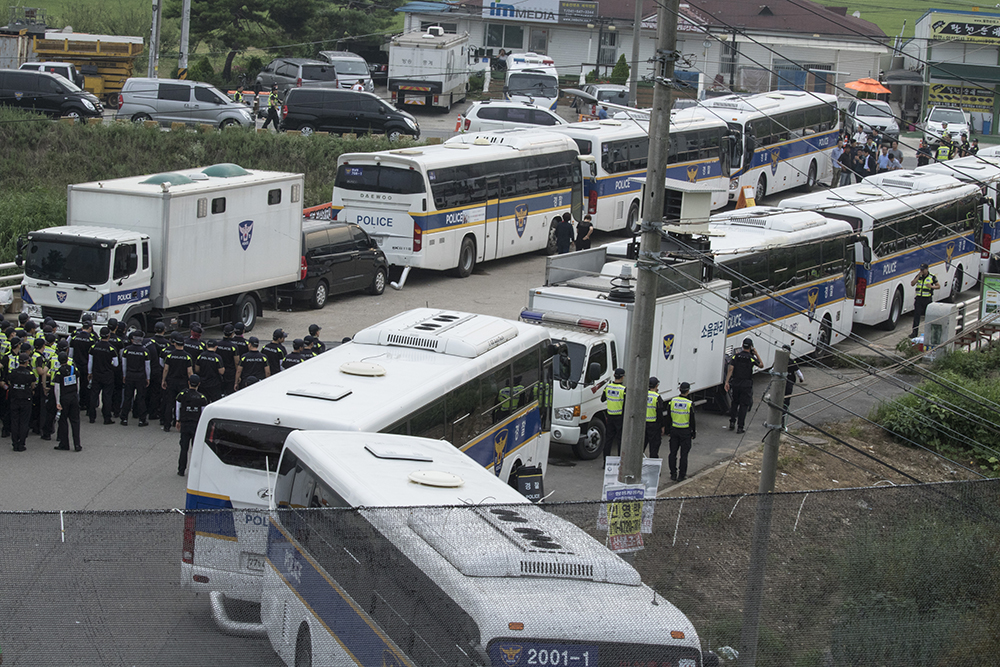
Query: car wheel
{"x": 466, "y": 258}
{"x": 394, "y": 135}
{"x": 141, "y": 118}
{"x": 307, "y": 130}
{"x": 319, "y": 296}
{"x": 378, "y": 283}
{"x": 591, "y": 445}
{"x": 229, "y": 122}
{"x": 75, "y": 114}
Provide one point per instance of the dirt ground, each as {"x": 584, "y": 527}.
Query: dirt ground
{"x": 808, "y": 460}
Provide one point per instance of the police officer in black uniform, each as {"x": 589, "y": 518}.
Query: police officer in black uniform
{"x": 239, "y": 340}
{"x": 275, "y": 352}
{"x": 101, "y": 369}
{"x": 137, "y": 371}
{"x": 119, "y": 342}
{"x": 739, "y": 382}
{"x": 226, "y": 349}
{"x": 177, "y": 367}
{"x": 81, "y": 342}
{"x": 210, "y": 369}
{"x": 189, "y": 404}
{"x": 295, "y": 357}
{"x": 318, "y": 346}
{"x": 309, "y": 347}
{"x": 193, "y": 344}
{"x": 66, "y": 384}
{"x": 252, "y": 364}
{"x": 22, "y": 387}
{"x": 156, "y": 345}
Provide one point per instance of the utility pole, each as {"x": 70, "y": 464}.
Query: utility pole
{"x": 182, "y": 63}
{"x": 153, "y": 64}
{"x": 640, "y": 333}
{"x": 762, "y": 524}
{"x": 633, "y": 86}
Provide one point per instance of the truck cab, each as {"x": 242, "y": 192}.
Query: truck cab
{"x": 99, "y": 271}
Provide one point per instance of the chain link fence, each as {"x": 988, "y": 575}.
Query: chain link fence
{"x": 876, "y": 576}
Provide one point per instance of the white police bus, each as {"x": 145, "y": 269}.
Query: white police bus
{"x": 450, "y": 206}
{"x": 482, "y": 383}
{"x": 391, "y": 550}
{"x": 699, "y": 152}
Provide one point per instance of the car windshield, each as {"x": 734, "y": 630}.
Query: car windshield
{"x": 377, "y": 178}
{"x": 948, "y": 116}
{"x": 351, "y": 67}
{"x": 319, "y": 73}
{"x": 67, "y": 262}
{"x": 616, "y": 96}
{"x": 873, "y": 110}
{"x": 534, "y": 85}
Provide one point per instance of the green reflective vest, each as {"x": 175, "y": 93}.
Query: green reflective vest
{"x": 943, "y": 152}
{"x": 680, "y": 412}
{"x": 651, "y": 401}
{"x": 615, "y": 393}
{"x": 924, "y": 286}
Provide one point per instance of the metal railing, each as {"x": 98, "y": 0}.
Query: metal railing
{"x": 11, "y": 278}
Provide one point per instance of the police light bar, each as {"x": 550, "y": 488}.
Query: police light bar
{"x": 544, "y": 317}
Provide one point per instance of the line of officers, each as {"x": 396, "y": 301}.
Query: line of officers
{"x": 45, "y": 379}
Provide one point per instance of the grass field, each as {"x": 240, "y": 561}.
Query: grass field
{"x": 890, "y": 14}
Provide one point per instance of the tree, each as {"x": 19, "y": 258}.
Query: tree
{"x": 619, "y": 74}
{"x": 231, "y": 25}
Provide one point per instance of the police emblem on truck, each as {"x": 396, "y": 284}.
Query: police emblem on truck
{"x": 246, "y": 233}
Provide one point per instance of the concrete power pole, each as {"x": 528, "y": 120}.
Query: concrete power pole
{"x": 762, "y": 525}
{"x": 641, "y": 331}
{"x": 153, "y": 64}
{"x": 633, "y": 86}
{"x": 182, "y": 62}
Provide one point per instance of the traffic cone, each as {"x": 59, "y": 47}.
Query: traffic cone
{"x": 746, "y": 197}
{"x": 458, "y": 123}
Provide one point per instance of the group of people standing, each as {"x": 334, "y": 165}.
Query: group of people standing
{"x": 947, "y": 148}
{"x": 567, "y": 236}
{"x": 863, "y": 155}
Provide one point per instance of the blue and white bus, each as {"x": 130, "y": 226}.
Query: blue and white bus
{"x": 481, "y": 383}
{"x": 783, "y": 141}
{"x": 906, "y": 219}
{"x": 699, "y": 151}
{"x": 471, "y": 200}
{"x": 397, "y": 551}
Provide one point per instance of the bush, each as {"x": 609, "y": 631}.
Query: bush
{"x": 619, "y": 75}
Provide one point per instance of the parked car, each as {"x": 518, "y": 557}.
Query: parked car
{"x": 337, "y": 258}
{"x": 866, "y": 114}
{"x": 311, "y": 110}
{"x": 46, "y": 93}
{"x": 178, "y": 101}
{"x": 350, "y": 67}
{"x": 958, "y": 122}
{"x": 604, "y": 92}
{"x": 289, "y": 73}
{"x": 67, "y": 71}
{"x": 500, "y": 115}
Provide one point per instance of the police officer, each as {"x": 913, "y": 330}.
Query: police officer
{"x": 239, "y": 340}
{"x": 177, "y": 368}
{"x": 156, "y": 346}
{"x": 81, "y": 342}
{"x": 295, "y": 357}
{"x": 309, "y": 347}
{"x": 238, "y": 95}
{"x": 318, "y": 346}
{"x": 6, "y": 354}
{"x": 944, "y": 149}
{"x": 614, "y": 397}
{"x": 925, "y": 282}
{"x": 739, "y": 382}
{"x": 22, "y": 387}
{"x": 187, "y": 409}
{"x": 682, "y": 432}
{"x": 226, "y": 349}
{"x": 192, "y": 344}
{"x": 253, "y": 363}
{"x": 210, "y": 369}
{"x": 655, "y": 408}
{"x": 66, "y": 384}
{"x": 792, "y": 375}
{"x": 272, "y": 108}
{"x": 101, "y": 368}
{"x": 137, "y": 373}
{"x": 275, "y": 352}
{"x": 43, "y": 405}
{"x": 119, "y": 342}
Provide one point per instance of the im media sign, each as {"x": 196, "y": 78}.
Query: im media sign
{"x": 542, "y": 11}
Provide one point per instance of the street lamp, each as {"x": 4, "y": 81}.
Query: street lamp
{"x": 590, "y": 44}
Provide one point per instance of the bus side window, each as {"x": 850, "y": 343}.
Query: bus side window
{"x": 526, "y": 376}
{"x": 463, "y": 408}
{"x": 429, "y": 423}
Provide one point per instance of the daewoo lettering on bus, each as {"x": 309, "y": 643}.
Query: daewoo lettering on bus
{"x": 778, "y": 276}
{"x": 394, "y": 550}
{"x": 473, "y": 199}
{"x": 481, "y": 383}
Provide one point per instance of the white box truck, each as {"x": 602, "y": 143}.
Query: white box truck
{"x": 195, "y": 245}
{"x": 588, "y": 305}
{"x": 429, "y": 69}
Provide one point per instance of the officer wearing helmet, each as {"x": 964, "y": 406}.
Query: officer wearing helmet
{"x": 739, "y": 382}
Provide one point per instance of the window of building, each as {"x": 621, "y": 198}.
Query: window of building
{"x": 500, "y": 35}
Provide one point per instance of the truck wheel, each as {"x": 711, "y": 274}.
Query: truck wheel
{"x": 303, "y": 648}
{"x": 133, "y": 324}
{"x": 111, "y": 100}
{"x": 591, "y": 445}
{"x": 245, "y": 311}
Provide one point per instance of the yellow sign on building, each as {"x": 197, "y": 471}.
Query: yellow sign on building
{"x": 970, "y": 98}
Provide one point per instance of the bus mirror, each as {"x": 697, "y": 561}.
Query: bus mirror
{"x": 866, "y": 252}
{"x": 993, "y": 211}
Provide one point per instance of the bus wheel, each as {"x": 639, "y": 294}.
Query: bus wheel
{"x": 761, "y": 190}
{"x": 956, "y": 283}
{"x": 592, "y": 443}
{"x": 895, "y": 310}
{"x": 632, "y": 222}
{"x": 825, "y": 336}
{"x": 811, "y": 176}
{"x": 466, "y": 258}
{"x": 550, "y": 246}
{"x": 303, "y": 648}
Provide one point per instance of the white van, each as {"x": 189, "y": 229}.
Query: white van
{"x": 67, "y": 71}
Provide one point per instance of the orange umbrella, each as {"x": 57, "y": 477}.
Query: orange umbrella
{"x": 867, "y": 86}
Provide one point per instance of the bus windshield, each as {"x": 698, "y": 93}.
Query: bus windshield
{"x": 534, "y": 85}
{"x": 67, "y": 262}
{"x": 379, "y": 178}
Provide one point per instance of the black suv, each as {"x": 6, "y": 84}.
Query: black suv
{"x": 337, "y": 257}
{"x": 344, "y": 111}
{"x": 46, "y": 93}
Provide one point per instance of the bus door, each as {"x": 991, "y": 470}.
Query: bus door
{"x": 492, "y": 231}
